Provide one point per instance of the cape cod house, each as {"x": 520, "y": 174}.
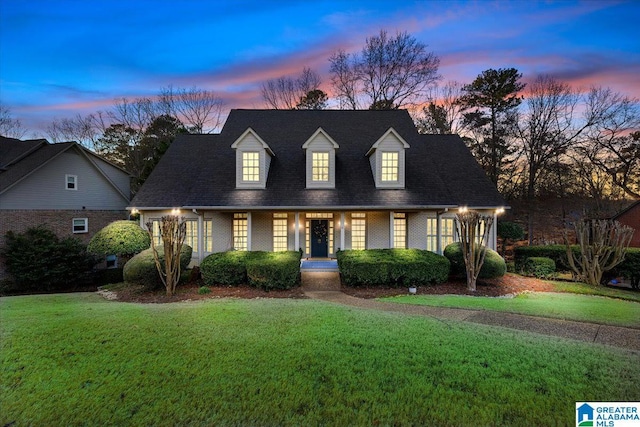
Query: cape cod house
{"x": 319, "y": 181}
{"x": 63, "y": 186}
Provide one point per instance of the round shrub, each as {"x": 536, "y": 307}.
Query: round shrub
{"x": 493, "y": 266}
{"x": 540, "y": 267}
{"x": 224, "y": 268}
{"x": 141, "y": 269}
{"x": 121, "y": 238}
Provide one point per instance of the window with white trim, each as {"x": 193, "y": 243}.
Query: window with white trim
{"x": 191, "y": 236}
{"x": 358, "y": 230}
{"x": 71, "y": 182}
{"x": 432, "y": 234}
{"x": 240, "y": 232}
{"x": 279, "y": 232}
{"x": 251, "y": 166}
{"x": 320, "y": 166}
{"x": 448, "y": 232}
{"x": 390, "y": 166}
{"x": 80, "y": 225}
{"x": 208, "y": 235}
{"x": 399, "y": 230}
{"x": 155, "y": 232}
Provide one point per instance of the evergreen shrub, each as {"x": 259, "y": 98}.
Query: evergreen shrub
{"x": 141, "y": 269}
{"x": 494, "y": 265}
{"x": 391, "y": 267}
{"x": 541, "y": 267}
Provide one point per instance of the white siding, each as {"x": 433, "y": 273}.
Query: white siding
{"x": 417, "y": 230}
{"x": 389, "y": 143}
{"x": 46, "y": 189}
{"x": 251, "y": 143}
{"x": 377, "y": 230}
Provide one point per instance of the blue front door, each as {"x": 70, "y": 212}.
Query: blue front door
{"x": 319, "y": 238}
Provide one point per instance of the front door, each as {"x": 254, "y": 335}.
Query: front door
{"x": 319, "y": 238}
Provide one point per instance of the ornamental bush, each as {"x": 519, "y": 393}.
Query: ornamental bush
{"x": 141, "y": 269}
{"x": 541, "y": 267}
{"x": 38, "y": 260}
{"x": 266, "y": 270}
{"x": 558, "y": 253}
{"x": 493, "y": 266}
{"x": 510, "y": 230}
{"x": 391, "y": 267}
{"x": 121, "y": 238}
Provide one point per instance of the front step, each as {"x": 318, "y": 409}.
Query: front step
{"x": 320, "y": 281}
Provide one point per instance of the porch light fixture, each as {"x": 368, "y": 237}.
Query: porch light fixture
{"x": 500, "y": 211}
{"x": 175, "y": 211}
{"x": 462, "y": 209}
{"x": 134, "y": 211}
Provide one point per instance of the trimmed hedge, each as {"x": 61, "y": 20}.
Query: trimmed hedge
{"x": 121, "y": 238}
{"x": 391, "y": 267}
{"x": 493, "y": 266}
{"x": 266, "y": 270}
{"x": 541, "y": 267}
{"x": 558, "y": 253}
{"x": 141, "y": 269}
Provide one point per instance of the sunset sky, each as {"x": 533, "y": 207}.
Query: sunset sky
{"x": 62, "y": 57}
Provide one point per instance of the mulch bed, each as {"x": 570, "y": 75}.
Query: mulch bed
{"x": 508, "y": 285}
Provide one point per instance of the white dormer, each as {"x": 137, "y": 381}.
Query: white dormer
{"x": 253, "y": 158}
{"x": 387, "y": 159}
{"x": 320, "y": 152}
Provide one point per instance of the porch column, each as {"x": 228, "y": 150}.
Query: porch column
{"x": 438, "y": 234}
{"x": 494, "y": 233}
{"x": 342, "y": 231}
{"x": 249, "y": 231}
{"x": 200, "y": 236}
{"x": 144, "y": 227}
{"x": 297, "y": 232}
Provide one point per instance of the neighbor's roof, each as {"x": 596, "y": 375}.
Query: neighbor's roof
{"x": 199, "y": 171}
{"x": 19, "y": 159}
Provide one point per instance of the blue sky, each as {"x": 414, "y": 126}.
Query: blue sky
{"x": 62, "y": 57}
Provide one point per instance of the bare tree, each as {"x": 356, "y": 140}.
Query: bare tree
{"x": 286, "y": 93}
{"x": 173, "y": 231}
{"x": 613, "y": 141}
{"x": 136, "y": 114}
{"x": 10, "y": 126}
{"x": 473, "y": 231}
{"x": 443, "y": 113}
{"x": 85, "y": 130}
{"x": 603, "y": 244}
{"x": 389, "y": 73}
{"x": 199, "y": 109}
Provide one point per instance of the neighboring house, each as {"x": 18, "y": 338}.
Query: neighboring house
{"x": 631, "y": 217}
{"x": 64, "y": 186}
{"x": 319, "y": 181}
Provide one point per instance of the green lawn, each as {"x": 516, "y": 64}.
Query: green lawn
{"x": 569, "y": 306}
{"x": 77, "y": 359}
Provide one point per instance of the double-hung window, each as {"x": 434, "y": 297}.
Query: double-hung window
{"x": 251, "y": 166}
{"x": 390, "y": 166}
{"x": 358, "y": 230}
{"x": 279, "y": 232}
{"x": 240, "y": 232}
{"x": 320, "y": 166}
{"x": 80, "y": 225}
{"x": 400, "y": 230}
{"x": 71, "y": 182}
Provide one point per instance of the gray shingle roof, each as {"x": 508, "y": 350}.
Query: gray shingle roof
{"x": 200, "y": 170}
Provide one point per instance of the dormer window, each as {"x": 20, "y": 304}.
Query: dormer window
{"x": 320, "y": 151}
{"x": 253, "y": 158}
{"x": 389, "y": 167}
{"x": 320, "y": 167}
{"x": 251, "y": 166}
{"x": 387, "y": 159}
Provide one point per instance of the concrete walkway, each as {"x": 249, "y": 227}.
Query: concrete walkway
{"x": 325, "y": 286}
